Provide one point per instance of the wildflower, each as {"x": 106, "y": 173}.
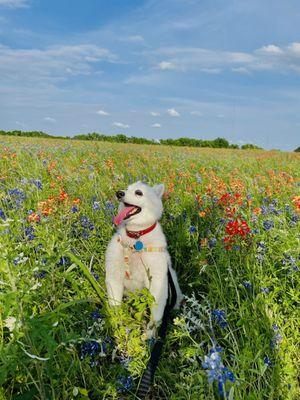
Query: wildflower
{"x": 2, "y": 215}
{"x": 40, "y": 274}
{"x": 96, "y": 315}
{"x": 264, "y": 290}
{"x": 268, "y": 224}
{"x": 96, "y": 205}
{"x": 247, "y": 285}
{"x": 192, "y": 229}
{"x": 237, "y": 227}
{"x": 216, "y": 372}
{"x": 267, "y": 361}
{"x": 37, "y": 183}
{"x": 63, "y": 196}
{"x": 33, "y": 217}
{"x": 90, "y": 349}
{"x": 220, "y": 317}
{"x": 74, "y": 209}
{"x": 109, "y": 206}
{"x": 64, "y": 261}
{"x": 29, "y": 233}
{"x": 212, "y": 243}
{"x": 124, "y": 383}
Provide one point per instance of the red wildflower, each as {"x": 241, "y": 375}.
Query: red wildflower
{"x": 237, "y": 227}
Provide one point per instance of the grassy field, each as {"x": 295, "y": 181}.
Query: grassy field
{"x": 232, "y": 223}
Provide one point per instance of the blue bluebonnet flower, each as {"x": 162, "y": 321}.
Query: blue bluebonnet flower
{"x": 2, "y": 214}
{"x": 40, "y": 274}
{"x": 264, "y": 210}
{"x": 268, "y": 224}
{"x": 74, "y": 209}
{"x": 264, "y": 290}
{"x": 267, "y": 361}
{"x": 37, "y": 183}
{"x": 64, "y": 261}
{"x": 277, "y": 338}
{"x": 96, "y": 314}
{"x": 86, "y": 223}
{"x": 247, "y": 285}
{"x": 29, "y": 233}
{"x": 220, "y": 317}
{"x": 215, "y": 370}
{"x": 90, "y": 349}
{"x": 212, "y": 243}
{"x": 95, "y": 275}
{"x": 109, "y": 206}
{"x": 290, "y": 261}
{"x": 192, "y": 229}
{"x": 125, "y": 361}
{"x": 236, "y": 247}
{"x": 124, "y": 383}
{"x": 96, "y": 205}
{"x": 17, "y": 196}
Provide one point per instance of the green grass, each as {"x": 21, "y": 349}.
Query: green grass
{"x": 58, "y": 337}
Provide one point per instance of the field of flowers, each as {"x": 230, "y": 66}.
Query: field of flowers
{"x": 232, "y": 223}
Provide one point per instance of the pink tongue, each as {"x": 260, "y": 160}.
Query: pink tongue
{"x": 122, "y": 214}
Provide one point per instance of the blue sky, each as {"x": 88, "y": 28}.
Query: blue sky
{"x": 153, "y": 68}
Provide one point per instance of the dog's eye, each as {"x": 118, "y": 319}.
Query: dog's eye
{"x": 139, "y": 193}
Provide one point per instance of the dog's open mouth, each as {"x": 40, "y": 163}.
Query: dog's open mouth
{"x": 128, "y": 211}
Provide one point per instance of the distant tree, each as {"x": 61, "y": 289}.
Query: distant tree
{"x": 298, "y": 149}
{"x": 250, "y": 146}
{"x": 220, "y": 143}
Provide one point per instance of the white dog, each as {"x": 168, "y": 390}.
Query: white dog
{"x": 137, "y": 255}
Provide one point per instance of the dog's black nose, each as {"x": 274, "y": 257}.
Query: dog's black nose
{"x": 120, "y": 194}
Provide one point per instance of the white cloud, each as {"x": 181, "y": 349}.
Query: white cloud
{"x": 120, "y": 125}
{"x": 241, "y": 70}
{"x": 156, "y": 125}
{"x": 166, "y": 65}
{"x": 173, "y": 113}
{"x": 102, "y": 112}
{"x": 50, "y": 119}
{"x": 133, "y": 39}
{"x": 52, "y": 64}
{"x": 269, "y": 57}
{"x": 271, "y": 49}
{"x": 14, "y": 3}
{"x": 197, "y": 113}
{"x": 154, "y": 114}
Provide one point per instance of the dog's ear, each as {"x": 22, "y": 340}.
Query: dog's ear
{"x": 159, "y": 189}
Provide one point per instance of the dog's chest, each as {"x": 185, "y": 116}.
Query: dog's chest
{"x": 138, "y": 260}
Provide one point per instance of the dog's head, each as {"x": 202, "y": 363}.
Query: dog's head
{"x": 140, "y": 205}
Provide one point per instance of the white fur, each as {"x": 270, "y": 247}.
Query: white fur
{"x": 147, "y": 269}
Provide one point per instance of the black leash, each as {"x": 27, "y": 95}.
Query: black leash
{"x": 148, "y": 375}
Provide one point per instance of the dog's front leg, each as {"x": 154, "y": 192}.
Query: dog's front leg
{"x": 159, "y": 289}
{"x": 114, "y": 265}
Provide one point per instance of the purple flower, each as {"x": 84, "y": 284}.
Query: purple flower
{"x": 219, "y": 316}
{"x": 247, "y": 285}
{"x": 192, "y": 229}
{"x": 124, "y": 383}
{"x": 96, "y": 205}
{"x": 268, "y": 224}
{"x": 29, "y": 233}
{"x": 2, "y": 215}
{"x": 215, "y": 370}
{"x": 212, "y": 243}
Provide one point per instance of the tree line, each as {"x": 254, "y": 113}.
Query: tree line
{"x": 121, "y": 138}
